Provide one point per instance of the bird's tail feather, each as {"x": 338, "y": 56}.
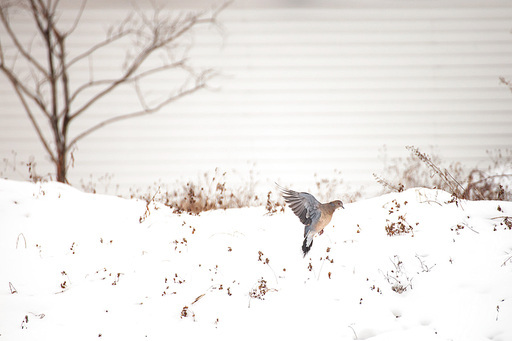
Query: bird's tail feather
{"x": 306, "y": 247}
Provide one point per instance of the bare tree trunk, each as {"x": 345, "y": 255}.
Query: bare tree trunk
{"x": 61, "y": 165}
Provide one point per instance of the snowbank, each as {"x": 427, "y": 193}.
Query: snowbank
{"x": 82, "y": 266}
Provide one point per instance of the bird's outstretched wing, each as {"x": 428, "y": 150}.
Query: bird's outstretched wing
{"x": 303, "y": 204}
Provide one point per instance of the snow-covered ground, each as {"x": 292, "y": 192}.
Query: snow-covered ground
{"x": 77, "y": 266}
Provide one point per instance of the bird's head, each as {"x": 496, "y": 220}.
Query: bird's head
{"x": 337, "y": 204}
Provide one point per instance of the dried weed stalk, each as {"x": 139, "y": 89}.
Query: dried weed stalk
{"x": 493, "y": 184}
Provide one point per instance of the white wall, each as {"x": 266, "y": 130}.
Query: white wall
{"x": 304, "y": 90}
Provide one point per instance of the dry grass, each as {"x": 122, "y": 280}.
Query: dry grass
{"x": 220, "y": 190}
{"x": 211, "y": 192}
{"x": 397, "y": 223}
{"x": 423, "y": 170}
{"x": 328, "y": 189}
{"x": 18, "y": 167}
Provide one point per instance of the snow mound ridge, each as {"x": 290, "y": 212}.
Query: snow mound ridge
{"x": 415, "y": 265}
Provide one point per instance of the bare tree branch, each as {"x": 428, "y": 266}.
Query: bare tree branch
{"x": 17, "y": 44}
{"x": 18, "y": 84}
{"x": 40, "y": 14}
{"x": 137, "y": 113}
{"x": 140, "y": 96}
{"x": 157, "y": 42}
{"x": 109, "y": 40}
{"x": 132, "y": 79}
{"x": 77, "y": 20}
{"x": 2, "y": 60}
{"x": 35, "y": 125}
{"x": 64, "y": 85}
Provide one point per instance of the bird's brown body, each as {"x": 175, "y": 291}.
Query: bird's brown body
{"x": 327, "y": 211}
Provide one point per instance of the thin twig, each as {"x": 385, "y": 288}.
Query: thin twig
{"x": 350, "y": 326}
{"x": 35, "y": 124}
{"x": 18, "y": 45}
{"x": 77, "y": 19}
{"x": 12, "y": 288}
{"x": 134, "y": 114}
{"x": 23, "y": 89}
{"x": 506, "y": 260}
{"x": 469, "y": 227}
{"x": 18, "y": 239}
{"x": 134, "y": 78}
{"x": 430, "y": 201}
{"x": 98, "y": 46}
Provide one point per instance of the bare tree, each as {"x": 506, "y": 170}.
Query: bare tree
{"x": 45, "y": 86}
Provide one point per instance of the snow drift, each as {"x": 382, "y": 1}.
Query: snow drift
{"x": 416, "y": 265}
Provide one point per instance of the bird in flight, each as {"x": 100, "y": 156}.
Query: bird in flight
{"x": 313, "y": 214}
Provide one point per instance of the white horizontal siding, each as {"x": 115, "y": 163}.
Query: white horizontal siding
{"x": 302, "y": 91}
